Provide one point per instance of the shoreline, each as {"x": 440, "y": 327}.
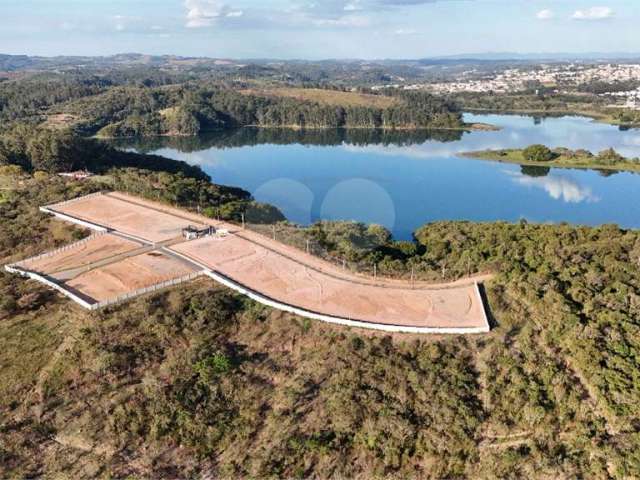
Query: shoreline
{"x": 595, "y": 116}
{"x": 501, "y": 156}
{"x": 466, "y": 127}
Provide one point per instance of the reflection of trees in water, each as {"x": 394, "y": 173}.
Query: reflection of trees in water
{"x": 281, "y": 136}
{"x": 606, "y": 172}
{"x": 534, "y": 171}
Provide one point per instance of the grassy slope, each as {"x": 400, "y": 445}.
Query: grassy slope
{"x": 329, "y": 97}
{"x": 562, "y": 161}
{"x": 199, "y": 379}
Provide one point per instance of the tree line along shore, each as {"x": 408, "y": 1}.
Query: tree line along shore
{"x": 543, "y": 156}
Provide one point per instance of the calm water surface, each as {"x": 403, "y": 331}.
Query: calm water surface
{"x": 403, "y": 180}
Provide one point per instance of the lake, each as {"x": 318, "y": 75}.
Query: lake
{"x": 405, "y": 179}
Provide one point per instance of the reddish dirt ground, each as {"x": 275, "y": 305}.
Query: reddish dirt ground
{"x": 263, "y": 265}
{"x": 130, "y": 274}
{"x": 96, "y": 248}
{"x": 115, "y": 212}
{"x": 293, "y": 283}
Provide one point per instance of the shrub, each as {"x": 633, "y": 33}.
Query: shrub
{"x": 538, "y": 153}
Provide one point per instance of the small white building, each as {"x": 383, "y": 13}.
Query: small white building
{"x": 191, "y": 232}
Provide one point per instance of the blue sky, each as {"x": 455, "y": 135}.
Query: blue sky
{"x": 316, "y": 29}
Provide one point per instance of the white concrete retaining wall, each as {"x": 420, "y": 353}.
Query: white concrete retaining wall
{"x": 49, "y": 283}
{"x": 72, "y": 200}
{"x": 258, "y": 297}
{"x": 68, "y": 218}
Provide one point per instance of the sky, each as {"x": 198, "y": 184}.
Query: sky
{"x": 317, "y": 29}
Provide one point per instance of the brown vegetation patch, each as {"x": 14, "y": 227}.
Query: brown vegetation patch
{"x": 328, "y": 97}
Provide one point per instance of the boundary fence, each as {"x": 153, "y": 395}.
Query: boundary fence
{"x": 51, "y": 253}
{"x": 15, "y": 269}
{"x": 72, "y": 200}
{"x": 145, "y": 290}
{"x": 299, "y": 238}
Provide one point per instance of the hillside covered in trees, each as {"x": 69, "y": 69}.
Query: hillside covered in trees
{"x": 198, "y": 380}
{"x": 123, "y": 105}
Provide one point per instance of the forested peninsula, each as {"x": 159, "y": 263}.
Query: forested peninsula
{"x": 109, "y": 107}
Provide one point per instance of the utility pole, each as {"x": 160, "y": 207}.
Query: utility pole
{"x": 308, "y": 249}
{"x": 242, "y": 220}
{"x": 375, "y": 270}
{"x": 273, "y": 228}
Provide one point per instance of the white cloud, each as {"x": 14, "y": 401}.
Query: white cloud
{"x": 203, "y": 13}
{"x": 353, "y": 6}
{"x": 345, "y": 21}
{"x": 557, "y": 187}
{"x": 405, "y": 31}
{"x": 545, "y": 14}
{"x": 593, "y": 13}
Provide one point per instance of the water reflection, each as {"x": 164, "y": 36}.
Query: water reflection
{"x": 404, "y": 179}
{"x": 534, "y": 171}
{"x": 558, "y": 186}
{"x": 245, "y": 137}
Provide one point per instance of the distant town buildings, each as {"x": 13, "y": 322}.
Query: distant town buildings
{"x": 555, "y": 76}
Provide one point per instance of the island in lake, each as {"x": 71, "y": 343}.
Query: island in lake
{"x": 543, "y": 156}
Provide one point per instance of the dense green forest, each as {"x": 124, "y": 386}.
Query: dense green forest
{"x": 118, "y": 105}
{"x": 198, "y": 380}
{"x": 187, "y": 110}
{"x": 53, "y": 150}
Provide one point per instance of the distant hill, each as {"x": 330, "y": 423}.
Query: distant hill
{"x": 15, "y": 63}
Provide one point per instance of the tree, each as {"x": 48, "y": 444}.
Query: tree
{"x": 609, "y": 156}
{"x": 538, "y": 153}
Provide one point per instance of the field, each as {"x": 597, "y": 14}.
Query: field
{"x": 106, "y": 267}
{"x": 329, "y": 97}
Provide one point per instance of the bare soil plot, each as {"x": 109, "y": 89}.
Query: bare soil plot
{"x": 128, "y": 275}
{"x": 81, "y": 254}
{"x": 296, "y": 284}
{"x": 130, "y": 217}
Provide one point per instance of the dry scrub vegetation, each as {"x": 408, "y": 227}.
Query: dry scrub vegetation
{"x": 336, "y": 98}
{"x": 199, "y": 380}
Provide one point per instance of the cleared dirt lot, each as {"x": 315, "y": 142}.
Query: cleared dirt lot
{"x": 82, "y": 254}
{"x": 130, "y": 274}
{"x": 108, "y": 266}
{"x": 293, "y": 283}
{"x": 117, "y": 212}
